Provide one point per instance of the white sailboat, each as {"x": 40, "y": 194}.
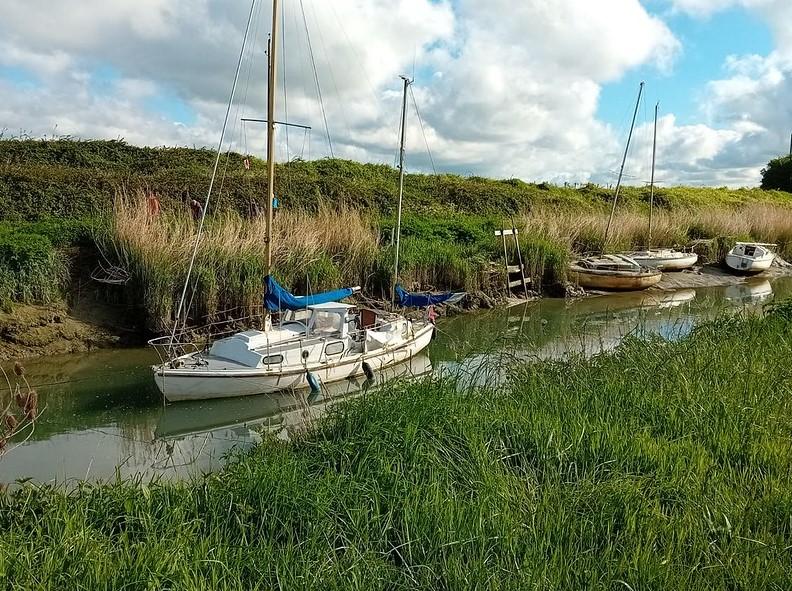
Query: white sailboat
{"x": 615, "y": 272}
{"x": 326, "y": 342}
{"x": 667, "y": 259}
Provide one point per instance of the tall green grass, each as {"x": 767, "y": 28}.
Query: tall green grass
{"x": 34, "y": 267}
{"x": 661, "y": 465}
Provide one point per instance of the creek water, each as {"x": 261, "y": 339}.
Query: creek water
{"x": 102, "y": 417}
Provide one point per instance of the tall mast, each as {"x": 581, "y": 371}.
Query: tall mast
{"x": 651, "y": 181}
{"x": 621, "y": 170}
{"x": 273, "y": 62}
{"x": 407, "y": 83}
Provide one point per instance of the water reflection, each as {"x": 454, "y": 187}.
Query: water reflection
{"x": 753, "y": 291}
{"x": 102, "y": 415}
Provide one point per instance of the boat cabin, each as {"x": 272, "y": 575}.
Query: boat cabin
{"x": 330, "y": 318}
{"x": 257, "y": 348}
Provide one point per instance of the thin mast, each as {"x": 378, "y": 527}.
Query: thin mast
{"x": 651, "y": 181}
{"x": 621, "y": 170}
{"x": 407, "y": 83}
{"x": 273, "y": 62}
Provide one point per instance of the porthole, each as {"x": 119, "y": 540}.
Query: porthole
{"x": 272, "y": 360}
{"x": 334, "y": 348}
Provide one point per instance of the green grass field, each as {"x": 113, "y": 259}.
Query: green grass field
{"x": 662, "y": 465}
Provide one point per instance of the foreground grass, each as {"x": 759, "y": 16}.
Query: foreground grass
{"x": 658, "y": 466}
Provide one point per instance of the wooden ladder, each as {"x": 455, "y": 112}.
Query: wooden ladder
{"x": 512, "y": 270}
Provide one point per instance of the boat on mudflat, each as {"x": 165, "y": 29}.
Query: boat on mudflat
{"x": 750, "y": 257}
{"x": 613, "y": 272}
{"x": 666, "y": 259}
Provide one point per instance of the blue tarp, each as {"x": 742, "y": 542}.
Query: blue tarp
{"x": 423, "y": 300}
{"x": 277, "y": 298}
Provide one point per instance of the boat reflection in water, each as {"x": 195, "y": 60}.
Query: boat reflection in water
{"x": 243, "y": 418}
{"x": 753, "y": 291}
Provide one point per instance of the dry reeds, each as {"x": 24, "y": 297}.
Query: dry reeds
{"x": 317, "y": 250}
{"x": 583, "y": 232}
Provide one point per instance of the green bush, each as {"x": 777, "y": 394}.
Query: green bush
{"x": 31, "y": 269}
{"x": 778, "y": 174}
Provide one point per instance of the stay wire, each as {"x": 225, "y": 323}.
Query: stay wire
{"x": 423, "y": 133}
{"x": 316, "y": 78}
{"x": 329, "y": 68}
{"x": 214, "y": 175}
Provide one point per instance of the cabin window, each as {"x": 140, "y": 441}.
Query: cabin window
{"x": 272, "y": 360}
{"x": 334, "y": 348}
{"x": 326, "y": 321}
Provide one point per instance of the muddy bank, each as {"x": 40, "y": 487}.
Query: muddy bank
{"x": 36, "y": 331}
{"x": 715, "y": 275}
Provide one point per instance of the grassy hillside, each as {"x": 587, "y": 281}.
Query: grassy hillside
{"x": 335, "y": 225}
{"x": 76, "y": 178}
{"x": 575, "y": 475}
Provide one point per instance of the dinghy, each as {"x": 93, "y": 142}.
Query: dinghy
{"x": 613, "y": 272}
{"x": 332, "y": 342}
{"x": 666, "y": 259}
{"x": 750, "y": 257}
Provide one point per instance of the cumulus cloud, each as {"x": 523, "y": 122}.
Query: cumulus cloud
{"x": 747, "y": 115}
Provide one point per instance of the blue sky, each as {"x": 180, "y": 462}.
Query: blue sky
{"x": 706, "y": 43}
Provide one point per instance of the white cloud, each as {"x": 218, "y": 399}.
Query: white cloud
{"x": 505, "y": 88}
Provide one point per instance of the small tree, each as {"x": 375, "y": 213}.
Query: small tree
{"x": 778, "y": 174}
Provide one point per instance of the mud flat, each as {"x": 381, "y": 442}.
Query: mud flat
{"x": 712, "y": 275}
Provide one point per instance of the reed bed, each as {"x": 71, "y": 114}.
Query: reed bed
{"x": 311, "y": 251}
{"x": 661, "y": 465}
{"x": 583, "y": 232}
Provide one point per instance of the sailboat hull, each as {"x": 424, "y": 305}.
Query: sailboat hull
{"x": 667, "y": 260}
{"x": 180, "y": 385}
{"x": 608, "y": 280}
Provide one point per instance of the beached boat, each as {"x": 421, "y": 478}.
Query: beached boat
{"x": 750, "y": 257}
{"x": 613, "y": 272}
{"x": 666, "y": 259}
{"x": 335, "y": 341}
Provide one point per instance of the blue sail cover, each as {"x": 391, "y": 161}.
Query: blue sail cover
{"x": 424, "y": 300}
{"x": 277, "y": 298}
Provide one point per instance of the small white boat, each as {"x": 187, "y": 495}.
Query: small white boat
{"x": 666, "y": 259}
{"x": 613, "y": 272}
{"x": 750, "y": 257}
{"x": 335, "y": 342}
